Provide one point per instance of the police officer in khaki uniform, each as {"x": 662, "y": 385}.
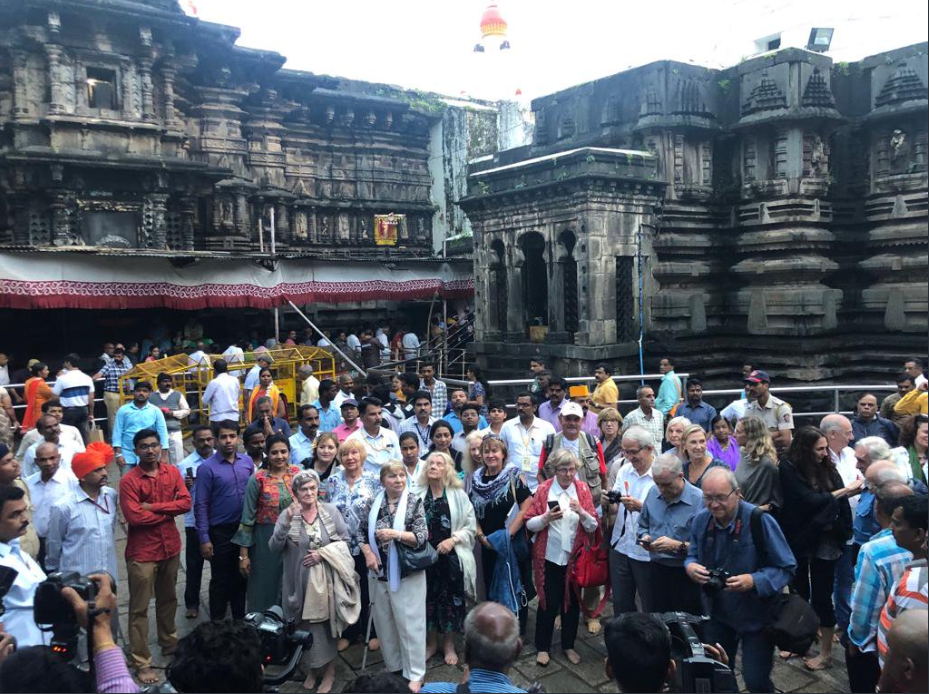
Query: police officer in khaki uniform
{"x": 777, "y": 415}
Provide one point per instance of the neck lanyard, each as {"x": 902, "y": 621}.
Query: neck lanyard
{"x": 106, "y": 506}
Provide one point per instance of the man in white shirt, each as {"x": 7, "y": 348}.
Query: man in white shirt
{"x": 47, "y": 487}
{"x": 18, "y": 620}
{"x": 382, "y": 444}
{"x": 411, "y": 345}
{"x": 914, "y": 367}
{"x": 70, "y": 436}
{"x": 4, "y": 369}
{"x": 629, "y": 570}
{"x": 222, "y": 394}
{"x": 354, "y": 345}
{"x": 234, "y": 354}
{"x": 309, "y": 391}
{"x": 51, "y": 433}
{"x": 838, "y": 432}
{"x": 75, "y": 389}
{"x": 346, "y": 383}
{"x": 202, "y": 439}
{"x": 524, "y": 438}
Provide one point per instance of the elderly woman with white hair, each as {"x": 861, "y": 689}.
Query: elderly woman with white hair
{"x": 302, "y": 529}
{"x": 664, "y": 530}
{"x": 394, "y": 522}
{"x": 452, "y": 528}
{"x": 673, "y": 433}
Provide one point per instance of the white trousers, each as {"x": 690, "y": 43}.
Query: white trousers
{"x": 400, "y": 620}
{"x": 176, "y": 448}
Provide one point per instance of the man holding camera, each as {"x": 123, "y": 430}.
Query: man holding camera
{"x": 737, "y": 576}
{"x": 17, "y": 603}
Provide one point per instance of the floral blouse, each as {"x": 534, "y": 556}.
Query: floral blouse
{"x": 352, "y": 502}
{"x": 265, "y": 497}
{"x": 415, "y": 523}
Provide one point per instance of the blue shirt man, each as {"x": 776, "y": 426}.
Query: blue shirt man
{"x": 134, "y": 417}
{"x": 721, "y": 538}
{"x": 669, "y": 392}
{"x": 697, "y": 411}
{"x": 303, "y": 443}
{"x": 671, "y": 517}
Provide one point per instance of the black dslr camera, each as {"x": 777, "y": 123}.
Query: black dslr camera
{"x": 53, "y": 613}
{"x": 614, "y": 495}
{"x": 717, "y": 582}
{"x": 696, "y": 671}
{"x": 282, "y": 644}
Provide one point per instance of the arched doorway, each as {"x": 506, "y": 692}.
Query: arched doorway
{"x": 534, "y": 279}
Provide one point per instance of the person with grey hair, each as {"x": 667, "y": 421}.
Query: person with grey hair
{"x": 629, "y": 570}
{"x": 492, "y": 645}
{"x": 870, "y": 452}
{"x": 664, "y": 531}
{"x": 301, "y": 531}
{"x": 309, "y": 391}
{"x": 738, "y": 609}
{"x": 646, "y": 415}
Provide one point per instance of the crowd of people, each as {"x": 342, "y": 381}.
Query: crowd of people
{"x": 391, "y": 507}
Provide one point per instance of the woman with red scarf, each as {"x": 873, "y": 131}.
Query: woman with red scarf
{"x": 561, "y": 508}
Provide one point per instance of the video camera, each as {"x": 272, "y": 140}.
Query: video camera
{"x": 282, "y": 644}
{"x": 696, "y": 671}
{"x": 53, "y": 613}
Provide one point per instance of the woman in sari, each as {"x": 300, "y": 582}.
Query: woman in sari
{"x": 267, "y": 388}
{"x": 267, "y": 494}
{"x": 37, "y": 393}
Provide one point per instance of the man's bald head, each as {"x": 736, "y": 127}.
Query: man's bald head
{"x": 491, "y": 637}
{"x": 888, "y": 498}
{"x": 883, "y": 472}
{"x": 906, "y": 668}
{"x": 837, "y": 430}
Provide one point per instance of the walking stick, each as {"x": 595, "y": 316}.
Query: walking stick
{"x": 364, "y": 658}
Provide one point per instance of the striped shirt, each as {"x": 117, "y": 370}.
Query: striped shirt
{"x": 910, "y": 593}
{"x": 80, "y": 533}
{"x": 880, "y": 564}
{"x": 73, "y": 388}
{"x": 111, "y": 373}
{"x": 422, "y": 432}
{"x": 478, "y": 681}
{"x": 654, "y": 425}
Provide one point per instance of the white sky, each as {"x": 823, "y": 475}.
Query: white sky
{"x": 427, "y": 44}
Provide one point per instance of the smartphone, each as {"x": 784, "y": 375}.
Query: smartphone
{"x": 645, "y": 544}
{"x": 190, "y": 472}
{"x": 552, "y": 505}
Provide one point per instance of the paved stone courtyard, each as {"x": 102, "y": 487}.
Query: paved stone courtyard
{"x": 558, "y": 676}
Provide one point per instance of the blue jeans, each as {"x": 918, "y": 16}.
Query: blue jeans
{"x": 842, "y": 594}
{"x": 757, "y": 654}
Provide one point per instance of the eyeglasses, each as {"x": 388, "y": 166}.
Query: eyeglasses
{"x": 718, "y": 499}
{"x": 631, "y": 451}
{"x": 565, "y": 470}
{"x": 148, "y": 446}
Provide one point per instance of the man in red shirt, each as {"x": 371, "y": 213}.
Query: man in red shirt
{"x": 151, "y": 495}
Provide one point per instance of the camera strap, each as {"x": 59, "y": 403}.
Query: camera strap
{"x": 732, "y": 539}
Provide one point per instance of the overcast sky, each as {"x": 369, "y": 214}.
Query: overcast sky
{"x": 428, "y": 44}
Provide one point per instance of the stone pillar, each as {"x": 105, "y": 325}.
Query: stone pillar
{"x": 20, "y": 84}
{"x": 148, "y": 92}
{"x": 556, "y": 303}
{"x": 515, "y": 320}
{"x": 154, "y": 223}
{"x": 56, "y": 95}
{"x": 282, "y": 222}
{"x": 188, "y": 213}
{"x": 168, "y": 75}
{"x": 242, "y": 218}
{"x": 61, "y": 219}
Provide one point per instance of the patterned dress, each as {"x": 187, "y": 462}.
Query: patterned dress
{"x": 445, "y": 594}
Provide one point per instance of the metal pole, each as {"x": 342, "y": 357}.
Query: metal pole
{"x": 277, "y": 314}
{"x": 320, "y": 333}
{"x": 445, "y": 332}
{"x": 638, "y": 253}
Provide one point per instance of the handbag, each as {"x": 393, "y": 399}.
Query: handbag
{"x": 94, "y": 433}
{"x": 590, "y": 568}
{"x": 412, "y": 560}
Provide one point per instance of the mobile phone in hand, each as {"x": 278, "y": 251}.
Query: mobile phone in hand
{"x": 552, "y": 505}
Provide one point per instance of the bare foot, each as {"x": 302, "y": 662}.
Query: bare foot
{"x": 573, "y": 656}
{"x": 415, "y": 686}
{"x": 542, "y": 658}
{"x": 451, "y": 657}
{"x": 147, "y": 676}
{"x": 310, "y": 681}
{"x": 594, "y": 626}
{"x": 820, "y": 662}
{"x": 374, "y": 645}
{"x": 325, "y": 686}
{"x": 342, "y": 645}
{"x": 786, "y": 655}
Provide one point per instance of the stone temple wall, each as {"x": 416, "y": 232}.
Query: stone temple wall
{"x": 775, "y": 211}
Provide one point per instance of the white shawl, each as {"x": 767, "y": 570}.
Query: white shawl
{"x": 464, "y": 530}
{"x": 393, "y": 561}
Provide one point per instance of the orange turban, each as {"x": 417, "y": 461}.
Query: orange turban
{"x": 97, "y": 455}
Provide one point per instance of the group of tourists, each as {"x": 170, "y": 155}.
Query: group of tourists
{"x": 391, "y": 507}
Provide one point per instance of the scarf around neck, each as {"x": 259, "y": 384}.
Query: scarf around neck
{"x": 393, "y": 560}
{"x": 487, "y": 493}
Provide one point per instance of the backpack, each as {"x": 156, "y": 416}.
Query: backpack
{"x": 792, "y": 622}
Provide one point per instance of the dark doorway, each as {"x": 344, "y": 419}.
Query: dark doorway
{"x": 571, "y": 311}
{"x": 535, "y": 280}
